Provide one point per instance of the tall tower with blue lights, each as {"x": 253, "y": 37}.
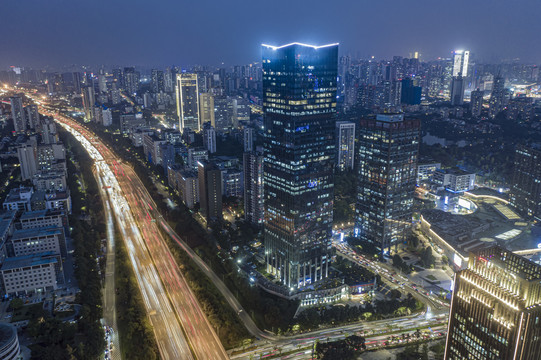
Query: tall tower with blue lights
{"x": 299, "y": 103}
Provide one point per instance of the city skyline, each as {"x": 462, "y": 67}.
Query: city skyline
{"x": 62, "y": 35}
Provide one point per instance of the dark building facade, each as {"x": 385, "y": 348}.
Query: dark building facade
{"x": 388, "y": 147}
{"x": 253, "y": 187}
{"x": 525, "y": 194}
{"x": 299, "y": 103}
{"x": 210, "y": 190}
{"x": 496, "y": 308}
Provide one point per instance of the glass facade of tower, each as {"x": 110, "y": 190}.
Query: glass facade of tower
{"x": 188, "y": 102}
{"x": 496, "y": 308}
{"x": 299, "y": 102}
{"x": 386, "y": 161}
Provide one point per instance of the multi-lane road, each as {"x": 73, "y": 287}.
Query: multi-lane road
{"x": 181, "y": 328}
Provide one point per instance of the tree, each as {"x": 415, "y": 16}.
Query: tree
{"x": 16, "y": 304}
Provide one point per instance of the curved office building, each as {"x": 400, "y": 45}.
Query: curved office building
{"x": 9, "y": 342}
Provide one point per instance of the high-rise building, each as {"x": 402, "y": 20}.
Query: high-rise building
{"x": 248, "y": 139}
{"x": 131, "y": 80}
{"x": 496, "y": 308}
{"x": 188, "y": 102}
{"x": 28, "y": 159}
{"x": 498, "y": 99}
{"x": 209, "y": 138}
{"x": 476, "y": 103}
{"x": 299, "y": 160}
{"x": 89, "y": 101}
{"x": 157, "y": 81}
{"x": 411, "y": 94}
{"x": 388, "y": 147}
{"x": 32, "y": 116}
{"x": 345, "y": 145}
{"x": 206, "y": 109}
{"x": 210, "y": 190}
{"x": 17, "y": 114}
{"x": 223, "y": 113}
{"x": 253, "y": 187}
{"x": 525, "y": 194}
{"x": 169, "y": 80}
{"x": 458, "y": 81}
{"x": 107, "y": 117}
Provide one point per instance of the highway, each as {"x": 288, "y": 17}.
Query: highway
{"x": 181, "y": 328}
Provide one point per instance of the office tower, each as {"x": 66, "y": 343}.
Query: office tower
{"x": 188, "y": 102}
{"x": 525, "y": 194}
{"x": 476, "y": 103}
{"x": 131, "y": 80}
{"x": 89, "y": 101}
{"x": 345, "y": 145}
{"x": 253, "y": 187}
{"x": 496, "y": 308}
{"x": 17, "y": 114}
{"x": 248, "y": 136}
{"x": 28, "y": 158}
{"x": 32, "y": 116}
{"x": 209, "y": 138}
{"x": 460, "y": 71}
{"x": 388, "y": 147}
{"x": 206, "y": 108}
{"x": 210, "y": 190}
{"x": 156, "y": 81}
{"x": 411, "y": 94}
{"x": 498, "y": 99}
{"x": 97, "y": 115}
{"x": 299, "y": 158}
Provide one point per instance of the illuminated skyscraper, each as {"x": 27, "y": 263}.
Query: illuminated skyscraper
{"x": 460, "y": 71}
{"x": 386, "y": 160}
{"x": 156, "y": 81}
{"x": 188, "y": 102}
{"x": 496, "y": 308}
{"x": 131, "y": 80}
{"x": 299, "y": 104}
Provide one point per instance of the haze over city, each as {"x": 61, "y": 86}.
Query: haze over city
{"x": 185, "y": 33}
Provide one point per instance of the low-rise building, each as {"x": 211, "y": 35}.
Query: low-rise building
{"x": 426, "y": 171}
{"x": 455, "y": 180}
{"x": 37, "y": 240}
{"x": 9, "y": 342}
{"x": 43, "y": 218}
{"x": 29, "y": 273}
{"x": 49, "y": 180}
{"x": 18, "y": 199}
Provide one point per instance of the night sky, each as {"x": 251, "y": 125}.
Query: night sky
{"x": 161, "y": 33}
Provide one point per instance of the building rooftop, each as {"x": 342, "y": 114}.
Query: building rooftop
{"x": 6, "y": 220}
{"x": 36, "y": 232}
{"x": 40, "y": 213}
{"x": 19, "y": 194}
{"x": 7, "y": 334}
{"x": 29, "y": 260}
{"x": 273, "y": 47}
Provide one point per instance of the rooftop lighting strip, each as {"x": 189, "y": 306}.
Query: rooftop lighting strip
{"x": 301, "y": 44}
